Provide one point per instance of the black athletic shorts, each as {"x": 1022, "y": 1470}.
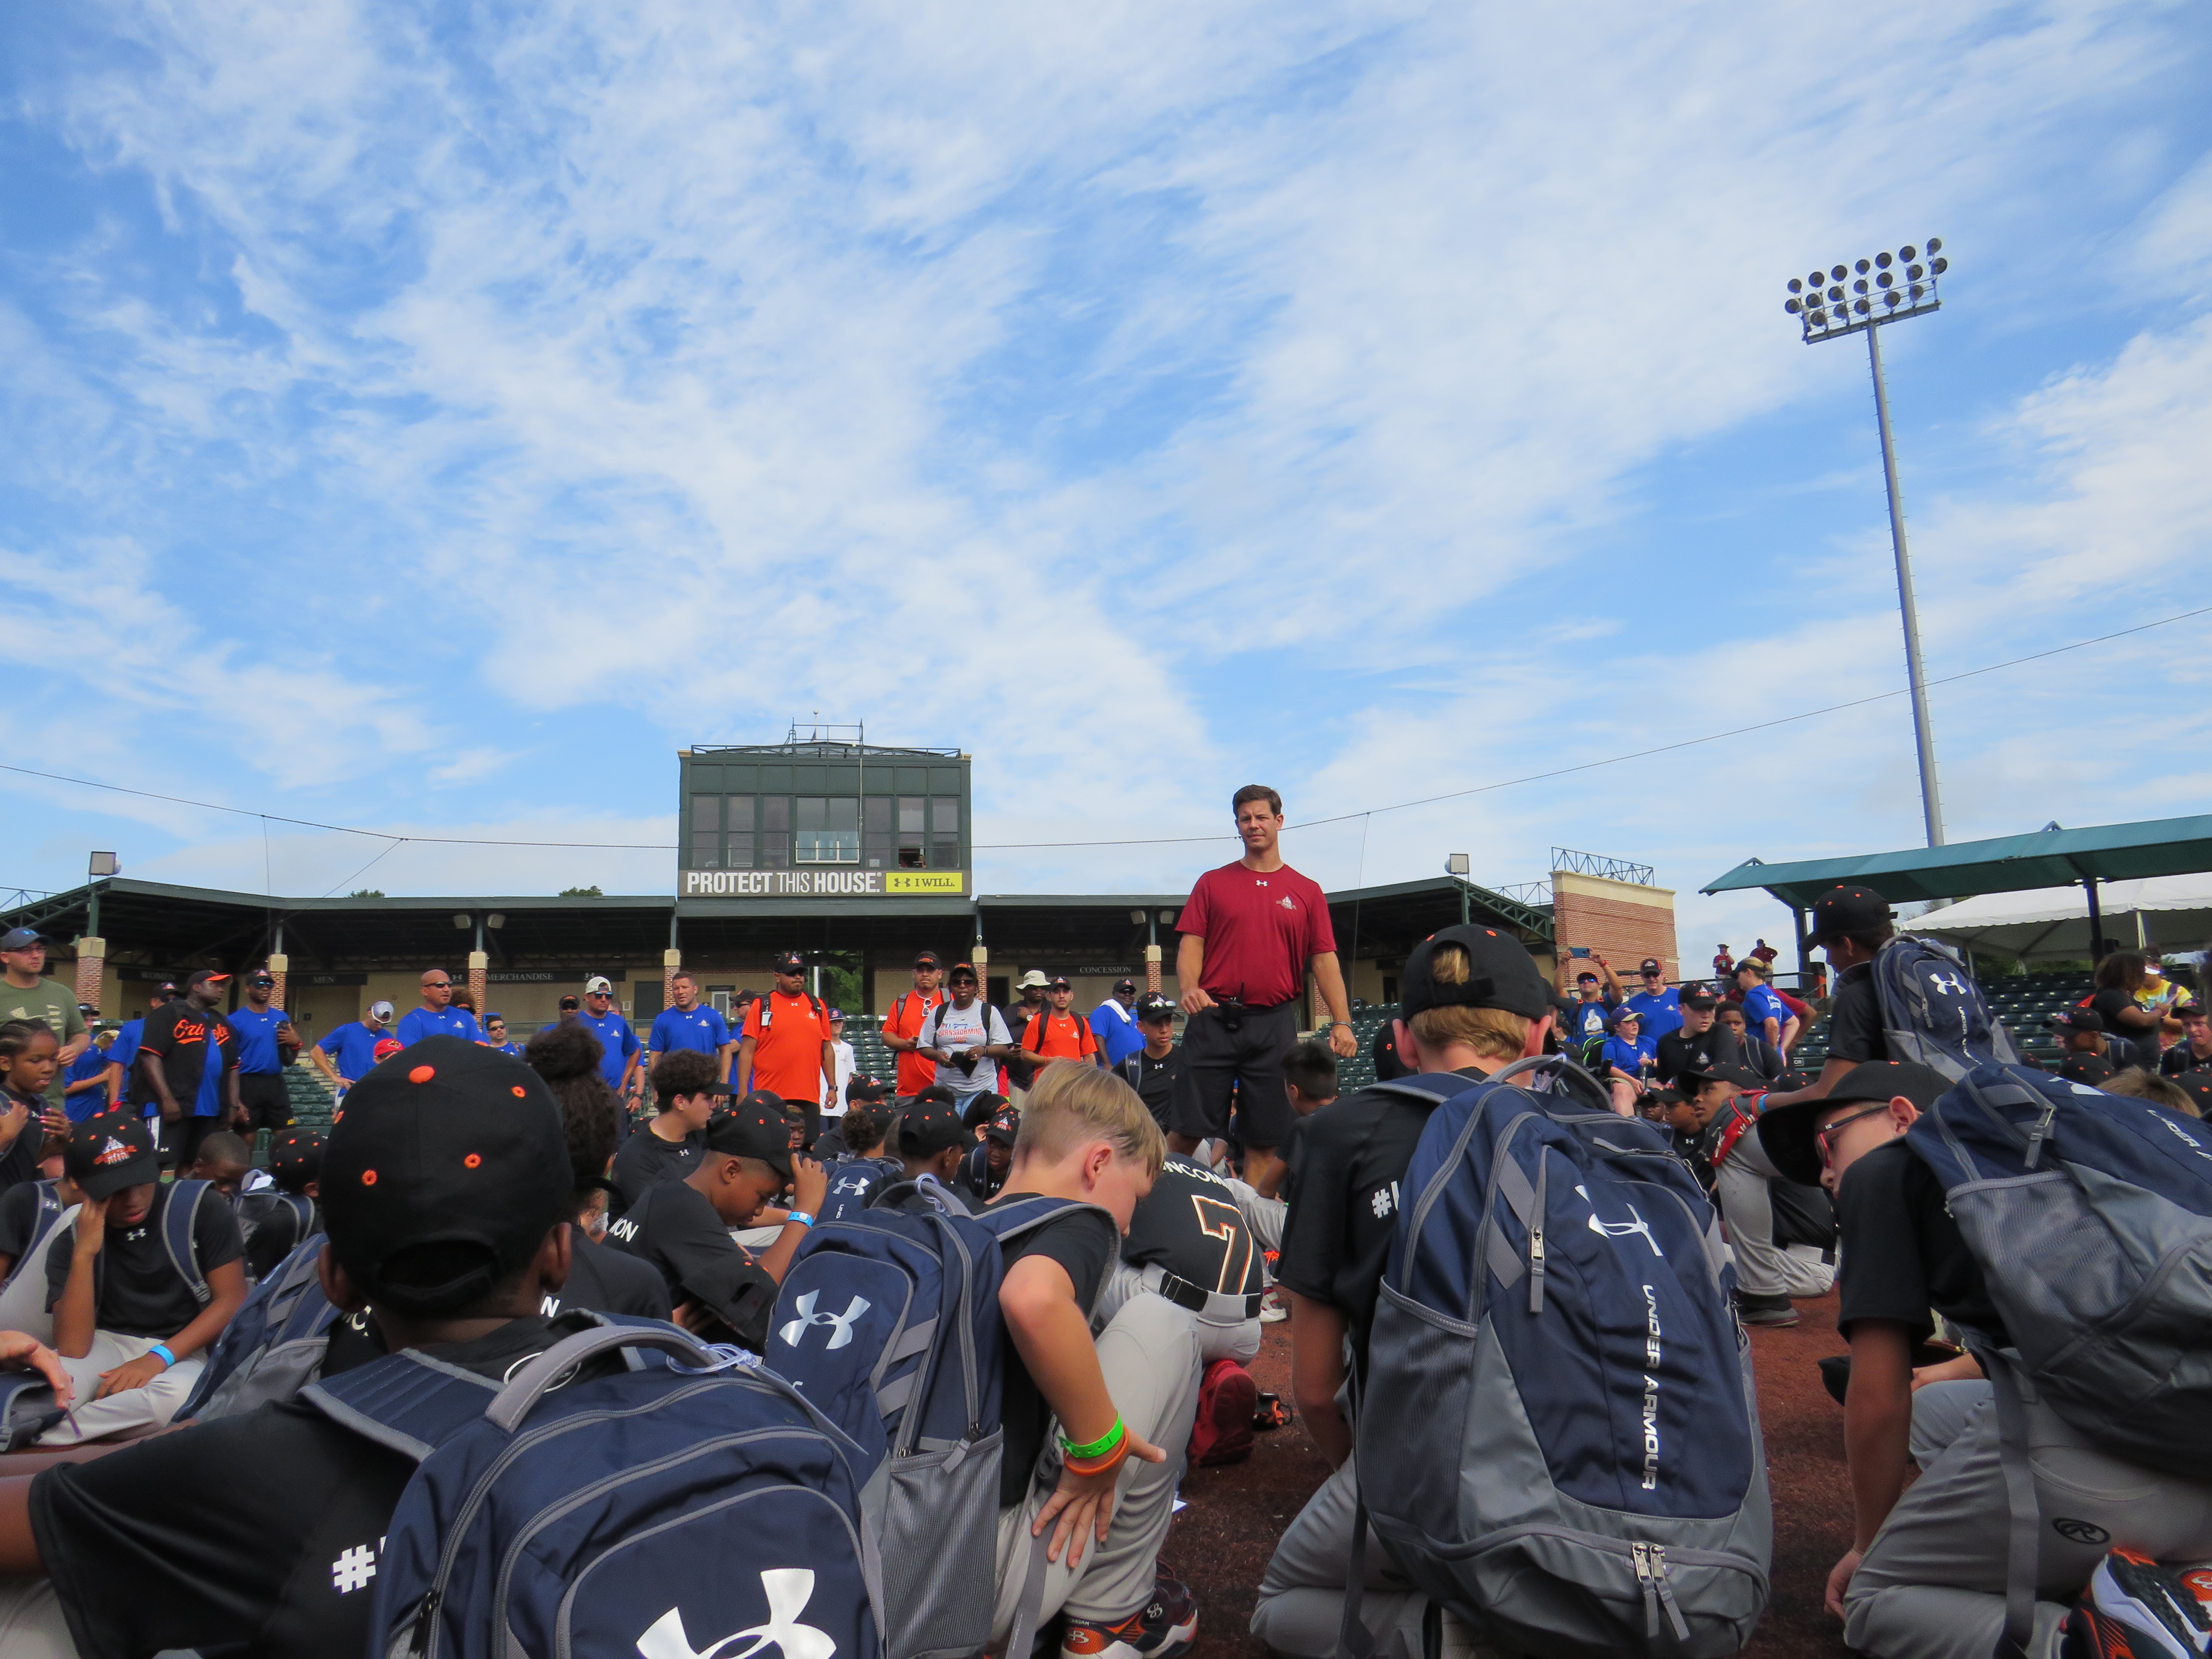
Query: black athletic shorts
{"x": 1251, "y": 1057}
{"x": 267, "y": 1104}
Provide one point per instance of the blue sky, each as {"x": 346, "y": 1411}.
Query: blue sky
{"x": 431, "y": 419}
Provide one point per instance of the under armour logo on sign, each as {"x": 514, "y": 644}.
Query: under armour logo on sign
{"x": 788, "y": 1589}
{"x": 840, "y": 1324}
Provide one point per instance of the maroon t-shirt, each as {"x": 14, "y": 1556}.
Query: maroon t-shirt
{"x": 1259, "y": 931}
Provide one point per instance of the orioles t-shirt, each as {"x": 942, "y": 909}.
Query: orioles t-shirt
{"x": 197, "y": 1045}
{"x": 788, "y": 1033}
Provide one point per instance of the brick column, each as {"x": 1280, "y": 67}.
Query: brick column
{"x": 478, "y": 964}
{"x": 982, "y": 958}
{"x": 670, "y": 962}
{"x": 91, "y": 958}
{"x": 279, "y": 966}
{"x": 1152, "y": 967}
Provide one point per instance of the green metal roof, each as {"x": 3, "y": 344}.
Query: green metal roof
{"x": 2049, "y": 858}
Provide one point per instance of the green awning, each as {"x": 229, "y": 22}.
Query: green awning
{"x": 2052, "y": 858}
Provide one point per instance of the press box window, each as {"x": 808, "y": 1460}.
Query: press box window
{"x": 913, "y": 830}
{"x": 739, "y": 823}
{"x": 876, "y": 832}
{"x": 828, "y": 828}
{"x": 945, "y": 832}
{"x": 706, "y": 832}
{"x": 775, "y": 832}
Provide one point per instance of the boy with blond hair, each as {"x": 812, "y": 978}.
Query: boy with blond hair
{"x": 1086, "y": 1491}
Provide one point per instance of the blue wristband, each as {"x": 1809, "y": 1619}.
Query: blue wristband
{"x": 800, "y": 1217}
{"x": 163, "y": 1349}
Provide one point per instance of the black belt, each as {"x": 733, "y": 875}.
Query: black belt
{"x": 1184, "y": 1294}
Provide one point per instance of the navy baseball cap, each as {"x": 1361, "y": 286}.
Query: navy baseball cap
{"x": 21, "y": 938}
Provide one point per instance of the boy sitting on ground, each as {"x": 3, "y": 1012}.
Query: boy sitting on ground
{"x": 683, "y": 1227}
{"x": 223, "y": 1161}
{"x": 865, "y": 1125}
{"x": 985, "y": 1166}
{"x": 445, "y": 1202}
{"x": 129, "y": 1325}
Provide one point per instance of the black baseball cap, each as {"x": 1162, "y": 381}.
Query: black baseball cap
{"x": 2088, "y": 1068}
{"x": 206, "y": 976}
{"x": 1650, "y": 965}
{"x": 261, "y": 976}
{"x": 1152, "y": 1005}
{"x": 21, "y": 938}
{"x": 1699, "y": 1000}
{"x": 1501, "y": 975}
{"x": 865, "y": 1088}
{"x": 444, "y": 1174}
{"x": 2077, "y": 1019}
{"x": 1701, "y": 1069}
{"x": 107, "y": 1153}
{"x": 789, "y": 962}
{"x": 1846, "y": 911}
{"x": 754, "y": 1126}
{"x": 961, "y": 970}
{"x": 928, "y": 959}
{"x": 2197, "y": 1085}
{"x": 297, "y": 1153}
{"x": 1003, "y": 1127}
{"x": 1786, "y": 1133}
{"x": 930, "y": 1126}
{"x": 2190, "y": 1010}
{"x": 1058, "y": 982}
{"x": 570, "y": 1005}
{"x": 1122, "y": 985}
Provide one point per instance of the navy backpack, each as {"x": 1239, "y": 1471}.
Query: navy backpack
{"x": 274, "y": 1344}
{"x": 889, "y": 1324}
{"x": 668, "y": 1510}
{"x": 1558, "y": 1434}
{"x": 1933, "y": 1014}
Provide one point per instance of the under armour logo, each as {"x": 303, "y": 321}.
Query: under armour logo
{"x": 788, "y": 1589}
{"x": 1626, "y": 1229}
{"x": 1947, "y": 984}
{"x": 840, "y": 1324}
{"x": 850, "y": 1184}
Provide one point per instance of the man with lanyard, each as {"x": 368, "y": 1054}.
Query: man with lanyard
{"x": 902, "y": 1025}
{"x": 437, "y": 1017}
{"x": 27, "y": 994}
{"x": 787, "y": 1048}
{"x": 599, "y": 1016}
{"x": 1059, "y": 1032}
{"x": 1113, "y": 1022}
{"x": 348, "y": 1053}
{"x": 188, "y": 1064}
{"x": 1153, "y": 1069}
{"x": 965, "y": 1027}
{"x": 690, "y": 1024}
{"x": 1251, "y": 931}
{"x": 1658, "y": 1004}
{"x": 264, "y": 1033}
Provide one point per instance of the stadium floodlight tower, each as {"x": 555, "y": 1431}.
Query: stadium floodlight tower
{"x": 1860, "y": 298}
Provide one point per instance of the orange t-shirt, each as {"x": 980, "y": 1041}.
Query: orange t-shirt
{"x": 787, "y": 1057}
{"x": 916, "y": 1071}
{"x": 1059, "y": 1036}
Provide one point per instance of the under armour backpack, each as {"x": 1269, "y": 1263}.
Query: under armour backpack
{"x": 851, "y": 1183}
{"x": 274, "y": 1344}
{"x": 668, "y": 1510}
{"x": 256, "y": 1208}
{"x": 889, "y": 1324}
{"x": 1932, "y": 1011}
{"x": 1558, "y": 1433}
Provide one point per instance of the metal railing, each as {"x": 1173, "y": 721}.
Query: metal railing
{"x": 1596, "y": 864}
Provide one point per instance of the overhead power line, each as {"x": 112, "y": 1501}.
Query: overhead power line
{"x": 1147, "y": 841}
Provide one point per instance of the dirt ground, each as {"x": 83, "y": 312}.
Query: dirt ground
{"x": 1221, "y": 1543}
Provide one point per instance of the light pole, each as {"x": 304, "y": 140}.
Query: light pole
{"x": 1458, "y": 866}
{"x": 1861, "y": 298}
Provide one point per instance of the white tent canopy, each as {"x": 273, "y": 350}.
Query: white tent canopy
{"x": 2170, "y": 914}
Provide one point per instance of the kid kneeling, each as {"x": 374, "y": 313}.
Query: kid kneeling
{"x": 1080, "y": 1524}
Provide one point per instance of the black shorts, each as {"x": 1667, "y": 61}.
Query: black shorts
{"x": 268, "y": 1102}
{"x": 177, "y": 1139}
{"x": 1250, "y": 1057}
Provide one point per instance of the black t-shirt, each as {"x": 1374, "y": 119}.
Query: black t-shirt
{"x": 607, "y": 1281}
{"x": 174, "y": 1543}
{"x": 137, "y": 1291}
{"x": 1191, "y": 1224}
{"x": 1154, "y": 1080}
{"x": 1082, "y": 1241}
{"x": 19, "y": 1164}
{"x": 2173, "y": 1063}
{"x": 673, "y": 1227}
{"x": 1855, "y": 1027}
{"x": 1676, "y": 1049}
{"x": 185, "y": 1037}
{"x": 1336, "y": 1237}
{"x": 2123, "y": 1042}
{"x": 275, "y": 1230}
{"x": 1902, "y": 1252}
{"x": 646, "y": 1158}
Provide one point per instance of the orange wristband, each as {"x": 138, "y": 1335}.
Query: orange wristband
{"x": 1113, "y": 1460}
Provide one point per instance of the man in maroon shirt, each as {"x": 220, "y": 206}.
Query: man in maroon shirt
{"x": 1249, "y": 933}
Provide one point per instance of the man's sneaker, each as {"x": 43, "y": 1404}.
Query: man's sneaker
{"x": 1222, "y": 1431}
{"x": 1773, "y": 1310}
{"x": 1271, "y": 1413}
{"x": 2138, "y": 1607}
{"x": 1162, "y": 1628}
{"x": 1271, "y": 1310}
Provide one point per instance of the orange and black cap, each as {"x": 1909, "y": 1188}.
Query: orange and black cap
{"x": 107, "y": 1153}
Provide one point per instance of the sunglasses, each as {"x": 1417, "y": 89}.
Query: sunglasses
{"x": 437, "y": 985}
{"x": 1824, "y": 1138}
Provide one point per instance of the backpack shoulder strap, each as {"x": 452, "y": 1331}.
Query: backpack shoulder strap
{"x": 302, "y": 1208}
{"x": 178, "y": 1236}
{"x": 406, "y": 1402}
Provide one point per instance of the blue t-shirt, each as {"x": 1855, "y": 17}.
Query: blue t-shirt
{"x": 124, "y": 1052}
{"x": 92, "y": 1063}
{"x": 352, "y": 1049}
{"x": 615, "y": 1037}
{"x": 1760, "y": 1004}
{"x": 1629, "y": 1056}
{"x": 702, "y": 1030}
{"x": 1661, "y": 1011}
{"x": 1116, "y": 1030}
{"x": 1588, "y": 1019}
{"x": 257, "y": 1054}
{"x": 514, "y": 1048}
{"x": 419, "y": 1023}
